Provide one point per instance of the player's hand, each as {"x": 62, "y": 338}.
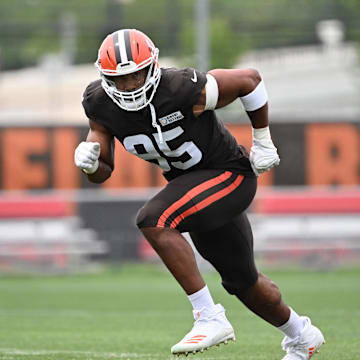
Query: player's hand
{"x": 86, "y": 156}
{"x": 263, "y": 156}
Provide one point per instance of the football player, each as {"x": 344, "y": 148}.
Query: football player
{"x": 166, "y": 116}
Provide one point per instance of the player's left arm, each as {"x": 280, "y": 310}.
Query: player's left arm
{"x": 226, "y": 85}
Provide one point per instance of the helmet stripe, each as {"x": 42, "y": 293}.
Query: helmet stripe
{"x": 116, "y": 47}
{"x": 127, "y": 45}
{"x": 122, "y": 47}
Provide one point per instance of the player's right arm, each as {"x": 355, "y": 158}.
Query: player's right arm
{"x": 226, "y": 85}
{"x": 95, "y": 156}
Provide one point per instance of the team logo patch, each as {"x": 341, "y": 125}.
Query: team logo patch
{"x": 168, "y": 119}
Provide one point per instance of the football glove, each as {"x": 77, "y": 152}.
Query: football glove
{"x": 263, "y": 153}
{"x": 86, "y": 156}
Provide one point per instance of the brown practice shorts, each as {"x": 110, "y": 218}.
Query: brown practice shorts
{"x": 210, "y": 205}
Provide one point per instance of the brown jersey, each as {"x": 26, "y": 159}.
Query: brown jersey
{"x": 185, "y": 142}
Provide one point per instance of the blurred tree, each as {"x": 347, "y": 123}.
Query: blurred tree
{"x": 225, "y": 46}
{"x": 32, "y": 28}
{"x": 29, "y": 29}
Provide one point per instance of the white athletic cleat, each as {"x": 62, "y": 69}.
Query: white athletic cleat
{"x": 210, "y": 328}
{"x": 305, "y": 345}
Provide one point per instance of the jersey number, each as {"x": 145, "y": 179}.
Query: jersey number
{"x": 150, "y": 153}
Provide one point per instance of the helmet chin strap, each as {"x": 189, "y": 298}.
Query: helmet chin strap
{"x": 133, "y": 105}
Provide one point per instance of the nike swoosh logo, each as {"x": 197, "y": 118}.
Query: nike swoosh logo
{"x": 194, "y": 78}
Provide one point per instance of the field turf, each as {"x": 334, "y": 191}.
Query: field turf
{"x": 139, "y": 312}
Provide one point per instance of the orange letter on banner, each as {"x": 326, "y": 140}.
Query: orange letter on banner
{"x": 19, "y": 172}
{"x": 66, "y": 174}
{"x": 333, "y": 156}
{"x": 243, "y": 136}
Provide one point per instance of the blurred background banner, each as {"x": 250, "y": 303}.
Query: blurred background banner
{"x": 312, "y": 154}
{"x": 307, "y": 211}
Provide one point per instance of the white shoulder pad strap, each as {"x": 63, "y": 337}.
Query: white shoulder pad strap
{"x": 212, "y": 92}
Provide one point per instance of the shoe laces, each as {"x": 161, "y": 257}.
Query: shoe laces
{"x": 201, "y": 318}
{"x": 298, "y": 343}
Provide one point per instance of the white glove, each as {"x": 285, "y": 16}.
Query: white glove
{"x": 263, "y": 153}
{"x": 86, "y": 156}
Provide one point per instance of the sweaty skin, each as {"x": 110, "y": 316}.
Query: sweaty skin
{"x": 264, "y": 297}
{"x": 130, "y": 82}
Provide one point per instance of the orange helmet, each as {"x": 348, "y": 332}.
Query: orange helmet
{"x": 124, "y": 52}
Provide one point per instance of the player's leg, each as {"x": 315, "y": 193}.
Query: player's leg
{"x": 177, "y": 255}
{"x": 211, "y": 326}
{"x": 177, "y": 208}
{"x": 190, "y": 202}
{"x": 230, "y": 250}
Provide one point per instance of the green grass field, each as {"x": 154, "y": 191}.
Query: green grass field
{"x": 139, "y": 312}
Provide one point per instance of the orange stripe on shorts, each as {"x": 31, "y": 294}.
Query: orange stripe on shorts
{"x": 208, "y": 201}
{"x": 190, "y": 195}
{"x": 202, "y": 204}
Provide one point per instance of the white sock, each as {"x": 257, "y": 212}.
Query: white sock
{"x": 201, "y": 299}
{"x": 292, "y": 328}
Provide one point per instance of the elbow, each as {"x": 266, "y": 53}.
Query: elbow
{"x": 249, "y": 79}
{"x": 254, "y": 77}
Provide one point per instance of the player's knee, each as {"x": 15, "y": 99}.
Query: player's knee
{"x": 241, "y": 284}
{"x": 272, "y": 297}
{"x": 264, "y": 292}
